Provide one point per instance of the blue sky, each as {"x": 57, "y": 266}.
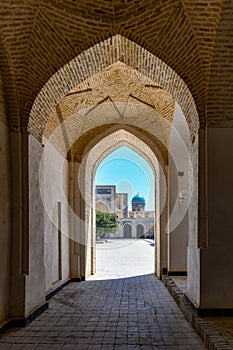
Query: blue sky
{"x": 129, "y": 172}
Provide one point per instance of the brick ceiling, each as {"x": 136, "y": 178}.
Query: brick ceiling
{"x": 118, "y": 94}
{"x": 193, "y": 37}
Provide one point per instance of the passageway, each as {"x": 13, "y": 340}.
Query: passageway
{"x": 134, "y": 312}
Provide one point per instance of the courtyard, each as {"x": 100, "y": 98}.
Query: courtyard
{"x": 121, "y": 258}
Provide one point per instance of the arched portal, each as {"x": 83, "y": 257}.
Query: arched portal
{"x": 127, "y": 230}
{"x": 113, "y": 82}
{"x": 140, "y": 231}
{"x": 91, "y": 162}
{"x": 74, "y": 116}
{"x": 102, "y": 206}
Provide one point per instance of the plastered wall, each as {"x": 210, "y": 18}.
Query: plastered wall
{"x": 4, "y": 218}
{"x": 48, "y": 187}
{"x": 178, "y": 223}
{"x": 4, "y": 209}
{"x": 55, "y": 193}
{"x": 35, "y": 281}
{"x": 193, "y": 253}
{"x": 217, "y": 258}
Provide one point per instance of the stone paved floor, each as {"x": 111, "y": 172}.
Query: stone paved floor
{"x": 124, "y": 258}
{"x": 134, "y": 312}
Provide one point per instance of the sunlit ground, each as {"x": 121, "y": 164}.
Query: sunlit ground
{"x": 119, "y": 258}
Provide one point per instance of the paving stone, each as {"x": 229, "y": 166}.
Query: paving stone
{"x": 99, "y": 318}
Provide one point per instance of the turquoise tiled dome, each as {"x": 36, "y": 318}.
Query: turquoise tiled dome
{"x": 138, "y": 199}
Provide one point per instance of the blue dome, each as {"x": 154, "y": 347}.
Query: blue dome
{"x": 138, "y": 199}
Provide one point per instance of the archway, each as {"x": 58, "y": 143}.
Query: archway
{"x": 128, "y": 230}
{"x": 117, "y": 57}
{"x": 74, "y": 121}
{"x": 141, "y": 231}
{"x": 107, "y": 145}
{"x": 102, "y": 206}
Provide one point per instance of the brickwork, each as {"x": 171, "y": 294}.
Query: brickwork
{"x": 145, "y": 78}
{"x": 37, "y": 38}
{"x": 123, "y": 138}
{"x": 87, "y": 140}
{"x": 3, "y": 117}
{"x": 219, "y": 107}
{"x": 212, "y": 337}
{"x": 203, "y": 18}
{"x": 80, "y": 132}
{"x": 115, "y": 85}
{"x": 9, "y": 89}
{"x": 118, "y": 94}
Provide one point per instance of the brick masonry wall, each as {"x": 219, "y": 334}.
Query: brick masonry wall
{"x": 3, "y": 116}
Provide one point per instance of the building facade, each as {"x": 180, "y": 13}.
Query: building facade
{"x": 137, "y": 223}
{"x": 106, "y": 198}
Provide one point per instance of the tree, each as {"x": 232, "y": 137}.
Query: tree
{"x": 105, "y": 223}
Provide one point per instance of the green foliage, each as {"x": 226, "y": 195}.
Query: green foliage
{"x": 106, "y": 220}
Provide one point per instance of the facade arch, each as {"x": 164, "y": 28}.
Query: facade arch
{"x": 141, "y": 230}
{"x": 101, "y": 206}
{"x": 128, "y": 230}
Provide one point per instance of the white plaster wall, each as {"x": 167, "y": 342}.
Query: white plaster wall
{"x": 35, "y": 282}
{"x": 193, "y": 255}
{"x": 88, "y": 234}
{"x": 217, "y": 259}
{"x": 77, "y": 257}
{"x": 178, "y": 223}
{"x": 55, "y": 180}
{"x": 4, "y": 218}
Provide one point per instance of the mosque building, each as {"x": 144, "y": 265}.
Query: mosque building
{"x": 137, "y": 223}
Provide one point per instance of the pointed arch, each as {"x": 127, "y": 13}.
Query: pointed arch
{"x": 102, "y": 206}
{"x": 86, "y": 174}
{"x": 140, "y": 230}
{"x": 128, "y": 230}
{"x": 102, "y": 55}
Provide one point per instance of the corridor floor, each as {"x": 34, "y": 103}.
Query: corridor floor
{"x": 135, "y": 312}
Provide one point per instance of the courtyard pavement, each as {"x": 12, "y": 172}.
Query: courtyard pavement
{"x": 118, "y": 258}
{"x": 125, "y": 312}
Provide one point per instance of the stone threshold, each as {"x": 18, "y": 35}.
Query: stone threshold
{"x": 209, "y": 334}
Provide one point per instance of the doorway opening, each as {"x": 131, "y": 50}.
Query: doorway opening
{"x": 125, "y": 215}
